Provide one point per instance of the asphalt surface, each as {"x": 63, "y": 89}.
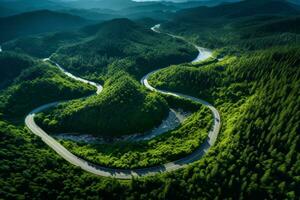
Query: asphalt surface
{"x": 124, "y": 173}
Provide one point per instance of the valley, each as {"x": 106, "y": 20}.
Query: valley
{"x": 117, "y": 173}
{"x": 122, "y": 99}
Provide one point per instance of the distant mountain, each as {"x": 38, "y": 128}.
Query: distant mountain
{"x": 37, "y": 22}
{"x": 240, "y": 9}
{"x": 128, "y": 4}
{"x": 6, "y": 11}
{"x": 104, "y": 4}
{"x": 103, "y": 9}
{"x": 295, "y": 2}
{"x": 114, "y": 28}
{"x": 93, "y": 14}
{"x": 249, "y": 24}
{"x": 30, "y": 5}
{"x": 191, "y": 4}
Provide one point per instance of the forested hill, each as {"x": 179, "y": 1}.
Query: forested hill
{"x": 240, "y": 9}
{"x": 124, "y": 107}
{"x": 27, "y": 83}
{"x": 255, "y": 86}
{"x": 253, "y": 80}
{"x": 247, "y": 25}
{"x": 122, "y": 44}
{"x": 37, "y": 22}
{"x": 119, "y": 43}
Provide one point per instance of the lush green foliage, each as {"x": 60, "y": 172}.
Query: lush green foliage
{"x": 122, "y": 44}
{"x": 123, "y": 107}
{"x": 160, "y": 150}
{"x": 257, "y": 93}
{"x": 32, "y": 84}
{"x": 248, "y": 25}
{"x": 258, "y": 97}
{"x": 11, "y": 65}
{"x": 42, "y": 46}
{"x": 109, "y": 46}
{"x": 30, "y": 170}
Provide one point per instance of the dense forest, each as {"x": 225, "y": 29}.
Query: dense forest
{"x": 244, "y": 26}
{"x": 124, "y": 107}
{"x": 119, "y": 44}
{"x": 28, "y": 83}
{"x": 258, "y": 97}
{"x": 253, "y": 80}
{"x": 159, "y": 150}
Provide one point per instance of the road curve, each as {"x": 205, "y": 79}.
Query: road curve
{"x": 127, "y": 173}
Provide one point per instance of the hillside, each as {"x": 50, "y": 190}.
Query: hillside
{"x": 94, "y": 49}
{"x": 255, "y": 87}
{"x": 122, "y": 44}
{"x": 11, "y": 66}
{"x": 4, "y": 12}
{"x": 257, "y": 94}
{"x": 253, "y": 80}
{"x": 240, "y": 9}
{"x": 37, "y": 22}
{"x": 123, "y": 108}
{"x": 245, "y": 25}
{"x": 93, "y": 14}
{"x": 42, "y": 46}
{"x": 27, "y": 83}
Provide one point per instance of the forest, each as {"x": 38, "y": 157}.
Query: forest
{"x": 119, "y": 44}
{"x": 253, "y": 79}
{"x": 162, "y": 149}
{"x": 28, "y": 83}
{"x": 258, "y": 98}
{"x": 124, "y": 107}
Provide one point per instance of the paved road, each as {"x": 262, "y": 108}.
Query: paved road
{"x": 123, "y": 173}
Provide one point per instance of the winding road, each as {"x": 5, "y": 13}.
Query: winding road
{"x": 127, "y": 173}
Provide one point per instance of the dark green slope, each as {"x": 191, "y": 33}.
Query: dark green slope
{"x": 36, "y": 22}
{"x": 93, "y": 14}
{"x": 4, "y": 11}
{"x": 11, "y": 66}
{"x": 42, "y": 46}
{"x": 20, "y": 6}
{"x": 240, "y": 9}
{"x": 124, "y": 44}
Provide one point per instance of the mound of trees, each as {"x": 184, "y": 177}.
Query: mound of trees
{"x": 124, "y": 107}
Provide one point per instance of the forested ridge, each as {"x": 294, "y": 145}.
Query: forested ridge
{"x": 253, "y": 80}
{"x": 30, "y": 83}
{"x": 244, "y": 26}
{"x": 258, "y": 97}
{"x": 33, "y": 23}
{"x": 119, "y": 44}
{"x": 122, "y": 44}
{"x": 122, "y": 108}
{"x": 116, "y": 52}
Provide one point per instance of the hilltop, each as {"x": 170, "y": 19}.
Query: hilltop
{"x": 37, "y": 22}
